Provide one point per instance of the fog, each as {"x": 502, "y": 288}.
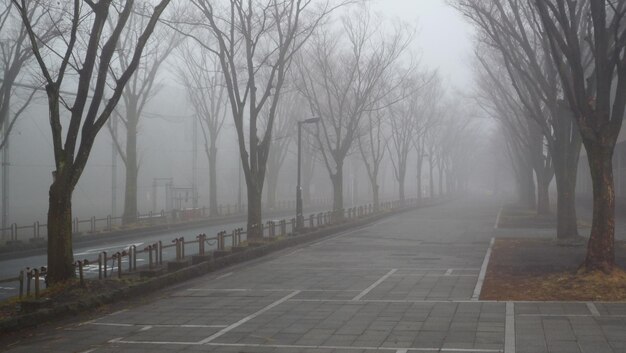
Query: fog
{"x": 165, "y": 136}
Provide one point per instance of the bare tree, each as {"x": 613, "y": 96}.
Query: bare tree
{"x": 206, "y": 91}
{"x": 372, "y": 144}
{"x": 597, "y": 97}
{"x": 88, "y": 63}
{"x": 255, "y": 42}
{"x": 341, "y": 78}
{"x": 139, "y": 91}
{"x": 291, "y": 108}
{"x": 511, "y": 28}
{"x": 404, "y": 124}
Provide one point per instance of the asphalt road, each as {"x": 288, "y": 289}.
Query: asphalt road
{"x": 10, "y": 268}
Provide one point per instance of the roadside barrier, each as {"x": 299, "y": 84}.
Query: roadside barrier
{"x": 201, "y": 246}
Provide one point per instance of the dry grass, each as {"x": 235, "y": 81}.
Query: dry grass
{"x": 511, "y": 277}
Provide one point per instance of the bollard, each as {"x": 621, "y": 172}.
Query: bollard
{"x": 21, "y": 277}
{"x": 293, "y": 225}
{"x": 14, "y": 231}
{"x": 104, "y": 260}
{"x": 149, "y": 248}
{"x": 182, "y": 247}
{"x": 283, "y": 228}
{"x": 200, "y": 244}
{"x": 29, "y": 275}
{"x": 36, "y": 283}
{"x": 220, "y": 241}
{"x": 109, "y": 223}
{"x": 119, "y": 263}
{"x": 92, "y": 222}
{"x": 311, "y": 221}
{"x": 79, "y": 264}
{"x": 99, "y": 266}
{"x": 160, "y": 254}
{"x": 175, "y": 241}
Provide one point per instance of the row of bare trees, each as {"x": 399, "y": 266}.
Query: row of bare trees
{"x": 553, "y": 73}
{"x": 264, "y": 65}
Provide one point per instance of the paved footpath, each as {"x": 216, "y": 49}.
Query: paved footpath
{"x": 407, "y": 283}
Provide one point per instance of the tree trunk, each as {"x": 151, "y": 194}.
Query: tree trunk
{"x": 431, "y": 179}
{"x": 60, "y": 252}
{"x": 401, "y": 187}
{"x": 566, "y": 219}
{"x": 375, "y": 196}
{"x": 419, "y": 179}
{"x": 272, "y": 183}
{"x": 543, "y": 195}
{"x": 213, "y": 209}
{"x": 337, "y": 180}
{"x": 130, "y": 190}
{"x": 254, "y": 214}
{"x": 601, "y": 246}
{"x": 440, "y": 176}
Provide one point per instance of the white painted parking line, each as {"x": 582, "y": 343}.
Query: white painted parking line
{"x": 483, "y": 271}
{"x": 268, "y": 290}
{"x": 248, "y": 318}
{"x": 509, "y": 329}
{"x": 353, "y": 348}
{"x": 145, "y": 328}
{"x": 145, "y": 325}
{"x": 426, "y": 301}
{"x": 449, "y": 272}
{"x": 374, "y": 285}
{"x": 430, "y": 275}
{"x": 497, "y": 224}
{"x": 592, "y": 309}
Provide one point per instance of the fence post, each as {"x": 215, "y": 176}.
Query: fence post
{"x": 36, "y": 229}
{"x": 14, "y": 231}
{"x": 92, "y": 222}
{"x": 104, "y": 254}
{"x": 29, "y": 275}
{"x": 36, "y": 283}
{"x": 182, "y": 247}
{"x": 293, "y": 225}
{"x": 21, "y": 277}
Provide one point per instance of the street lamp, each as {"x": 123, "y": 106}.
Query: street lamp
{"x": 299, "y": 216}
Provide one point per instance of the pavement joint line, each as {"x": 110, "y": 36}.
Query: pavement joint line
{"x": 248, "y": 318}
{"x": 483, "y": 271}
{"x": 593, "y": 309}
{"x": 224, "y": 275}
{"x": 374, "y": 285}
{"x": 509, "y": 328}
{"x": 571, "y": 315}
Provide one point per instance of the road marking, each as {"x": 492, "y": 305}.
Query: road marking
{"x": 593, "y": 309}
{"x": 268, "y": 290}
{"x": 91, "y": 251}
{"x": 144, "y": 325}
{"x": 145, "y": 328}
{"x": 449, "y": 272}
{"x": 224, "y": 275}
{"x": 374, "y": 285}
{"x": 89, "y": 350}
{"x": 509, "y": 333}
{"x": 248, "y": 318}
{"x": 294, "y": 346}
{"x": 483, "y": 270}
{"x": 495, "y": 225}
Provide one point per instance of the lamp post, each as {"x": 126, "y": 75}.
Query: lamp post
{"x": 299, "y": 216}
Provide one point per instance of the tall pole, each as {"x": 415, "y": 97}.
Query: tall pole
{"x": 5, "y": 179}
{"x": 299, "y": 217}
{"x": 194, "y": 172}
{"x": 113, "y": 167}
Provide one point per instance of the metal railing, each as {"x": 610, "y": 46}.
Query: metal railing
{"x": 37, "y": 231}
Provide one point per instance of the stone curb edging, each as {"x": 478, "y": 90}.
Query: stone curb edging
{"x": 63, "y": 311}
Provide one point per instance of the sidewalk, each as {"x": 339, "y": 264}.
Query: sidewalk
{"x": 407, "y": 283}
